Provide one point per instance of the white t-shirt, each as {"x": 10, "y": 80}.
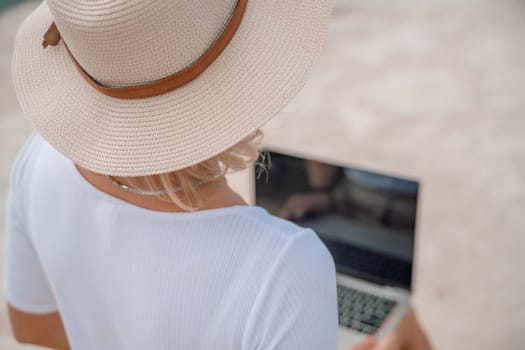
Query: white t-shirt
{"x": 125, "y": 277}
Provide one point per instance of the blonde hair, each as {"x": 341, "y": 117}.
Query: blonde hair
{"x": 238, "y": 157}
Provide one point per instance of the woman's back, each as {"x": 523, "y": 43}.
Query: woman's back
{"x": 125, "y": 277}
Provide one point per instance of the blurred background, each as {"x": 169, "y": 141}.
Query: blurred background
{"x": 428, "y": 89}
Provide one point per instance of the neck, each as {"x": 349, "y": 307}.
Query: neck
{"x": 214, "y": 194}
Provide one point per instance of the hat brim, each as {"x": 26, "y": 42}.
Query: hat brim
{"x": 262, "y": 69}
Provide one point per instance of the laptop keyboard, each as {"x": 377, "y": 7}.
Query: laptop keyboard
{"x": 370, "y": 264}
{"x": 361, "y": 311}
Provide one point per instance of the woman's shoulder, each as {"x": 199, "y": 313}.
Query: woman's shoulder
{"x": 262, "y": 217}
{"x": 271, "y": 224}
{"x": 302, "y": 241}
{"x": 300, "y": 281}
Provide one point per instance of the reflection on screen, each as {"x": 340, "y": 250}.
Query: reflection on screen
{"x": 366, "y": 220}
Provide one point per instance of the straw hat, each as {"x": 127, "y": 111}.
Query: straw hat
{"x": 141, "y": 87}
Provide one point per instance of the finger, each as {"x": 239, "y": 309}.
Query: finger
{"x": 391, "y": 342}
{"x": 366, "y": 344}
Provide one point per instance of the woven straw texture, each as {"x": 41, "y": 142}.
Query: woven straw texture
{"x": 124, "y": 42}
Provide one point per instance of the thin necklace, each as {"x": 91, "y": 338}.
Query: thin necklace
{"x": 153, "y": 193}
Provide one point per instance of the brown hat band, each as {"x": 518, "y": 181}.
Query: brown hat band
{"x": 169, "y": 83}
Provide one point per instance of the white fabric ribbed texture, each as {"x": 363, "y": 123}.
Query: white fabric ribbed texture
{"x": 124, "y": 277}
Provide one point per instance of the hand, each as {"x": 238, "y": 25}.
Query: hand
{"x": 300, "y": 205}
{"x": 408, "y": 335}
{"x": 391, "y": 342}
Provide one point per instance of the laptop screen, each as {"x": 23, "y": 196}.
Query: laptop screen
{"x": 366, "y": 220}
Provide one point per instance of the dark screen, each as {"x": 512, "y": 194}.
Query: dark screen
{"x": 367, "y": 220}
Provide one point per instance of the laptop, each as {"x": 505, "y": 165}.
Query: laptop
{"x": 366, "y": 220}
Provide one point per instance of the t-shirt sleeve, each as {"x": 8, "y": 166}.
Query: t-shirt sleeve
{"x": 296, "y": 309}
{"x": 26, "y": 286}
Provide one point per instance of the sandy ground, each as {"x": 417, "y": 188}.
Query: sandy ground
{"x": 428, "y": 89}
